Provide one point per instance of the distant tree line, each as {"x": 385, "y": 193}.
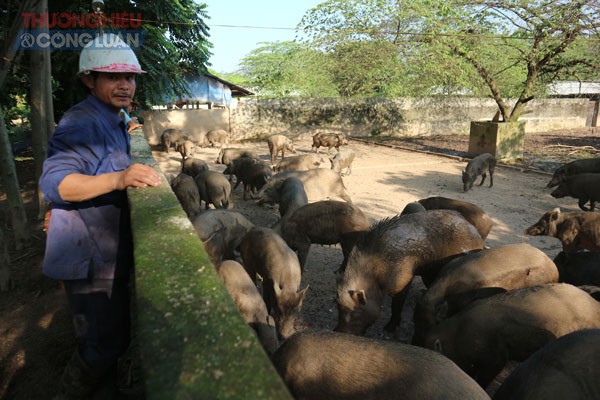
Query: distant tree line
{"x": 483, "y": 48}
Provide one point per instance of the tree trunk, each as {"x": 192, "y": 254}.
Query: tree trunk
{"x": 9, "y": 51}
{"x": 37, "y": 117}
{"x": 50, "y": 122}
{"x": 40, "y": 96}
{"x": 5, "y": 281}
{"x": 11, "y": 184}
{"x": 487, "y": 77}
{"x": 7, "y": 162}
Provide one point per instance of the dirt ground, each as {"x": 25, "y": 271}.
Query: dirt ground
{"x": 36, "y": 335}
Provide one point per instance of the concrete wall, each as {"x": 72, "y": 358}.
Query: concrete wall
{"x": 256, "y": 117}
{"x": 195, "y": 121}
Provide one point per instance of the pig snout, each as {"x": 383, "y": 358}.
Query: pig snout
{"x": 558, "y": 193}
{"x": 355, "y": 312}
{"x": 286, "y": 311}
{"x": 533, "y": 231}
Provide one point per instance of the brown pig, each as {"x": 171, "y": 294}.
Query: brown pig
{"x": 193, "y": 166}
{"x": 472, "y": 213}
{"x": 508, "y": 267}
{"x": 319, "y": 184}
{"x": 214, "y": 189}
{"x": 342, "y": 159}
{"x": 216, "y": 137}
{"x": 575, "y": 230}
{"x": 253, "y": 173}
{"x": 279, "y": 144}
{"x": 511, "y": 326}
{"x": 302, "y": 162}
{"x": 186, "y": 148}
{"x": 329, "y": 140}
{"x": 584, "y": 187}
{"x": 479, "y": 166}
{"x": 290, "y": 196}
{"x": 186, "y": 190}
{"x": 229, "y": 154}
{"x": 386, "y": 258}
{"x": 413, "y": 207}
{"x": 221, "y": 231}
{"x": 250, "y": 303}
{"x": 329, "y": 365}
{"x": 323, "y": 222}
{"x": 566, "y": 368}
{"x": 265, "y": 253}
{"x": 171, "y": 136}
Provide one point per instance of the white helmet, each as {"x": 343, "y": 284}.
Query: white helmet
{"x": 108, "y": 53}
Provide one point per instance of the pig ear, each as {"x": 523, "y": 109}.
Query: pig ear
{"x": 301, "y": 295}
{"x": 437, "y": 346}
{"x": 358, "y": 296}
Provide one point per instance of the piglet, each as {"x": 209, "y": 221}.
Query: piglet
{"x": 480, "y": 165}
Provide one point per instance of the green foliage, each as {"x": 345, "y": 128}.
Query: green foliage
{"x": 287, "y": 69}
{"x": 336, "y": 22}
{"x": 176, "y": 44}
{"x": 505, "y": 49}
{"x": 366, "y": 68}
{"x": 176, "y": 47}
{"x": 234, "y": 77}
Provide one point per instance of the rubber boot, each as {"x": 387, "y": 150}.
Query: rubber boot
{"x": 78, "y": 380}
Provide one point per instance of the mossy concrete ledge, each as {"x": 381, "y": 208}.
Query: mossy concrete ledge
{"x": 193, "y": 342}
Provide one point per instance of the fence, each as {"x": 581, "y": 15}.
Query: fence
{"x": 193, "y": 342}
{"x": 257, "y": 118}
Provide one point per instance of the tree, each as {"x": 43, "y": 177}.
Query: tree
{"x": 515, "y": 47}
{"x": 535, "y": 36}
{"x": 175, "y": 45}
{"x": 367, "y": 68}
{"x": 42, "y": 108}
{"x": 9, "y": 176}
{"x": 287, "y": 69}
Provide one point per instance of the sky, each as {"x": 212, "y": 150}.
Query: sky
{"x": 231, "y": 23}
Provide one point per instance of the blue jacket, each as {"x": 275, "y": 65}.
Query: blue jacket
{"x": 84, "y": 237}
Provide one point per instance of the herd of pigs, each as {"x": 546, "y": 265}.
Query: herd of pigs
{"x": 482, "y": 307}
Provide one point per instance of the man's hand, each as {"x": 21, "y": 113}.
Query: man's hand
{"x": 78, "y": 187}
{"x": 131, "y": 125}
{"x": 138, "y": 175}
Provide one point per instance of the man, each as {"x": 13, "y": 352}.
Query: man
{"x": 130, "y": 121}
{"x": 89, "y": 244}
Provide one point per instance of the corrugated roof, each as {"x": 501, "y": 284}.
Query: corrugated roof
{"x": 573, "y": 88}
{"x": 236, "y": 91}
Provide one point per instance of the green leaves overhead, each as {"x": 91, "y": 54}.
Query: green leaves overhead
{"x": 502, "y": 48}
{"x": 287, "y": 69}
{"x": 176, "y": 44}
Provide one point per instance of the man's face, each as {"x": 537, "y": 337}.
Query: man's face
{"x": 114, "y": 89}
